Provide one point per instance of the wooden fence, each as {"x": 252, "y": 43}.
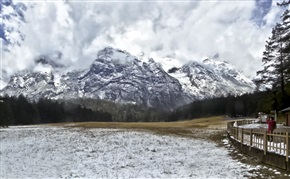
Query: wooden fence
{"x": 278, "y": 142}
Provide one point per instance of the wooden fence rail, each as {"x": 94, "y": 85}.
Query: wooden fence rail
{"x": 278, "y": 142}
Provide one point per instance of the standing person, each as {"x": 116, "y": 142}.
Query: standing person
{"x": 271, "y": 126}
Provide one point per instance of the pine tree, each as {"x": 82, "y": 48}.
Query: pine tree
{"x": 6, "y": 116}
{"x": 273, "y": 60}
{"x": 286, "y": 38}
{"x": 276, "y": 57}
{"x": 23, "y": 111}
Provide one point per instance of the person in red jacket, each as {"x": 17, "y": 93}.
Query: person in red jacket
{"x": 271, "y": 126}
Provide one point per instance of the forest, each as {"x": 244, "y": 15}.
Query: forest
{"x": 19, "y": 111}
{"x": 247, "y": 105}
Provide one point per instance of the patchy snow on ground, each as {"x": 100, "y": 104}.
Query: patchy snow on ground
{"x": 260, "y": 126}
{"x": 57, "y": 152}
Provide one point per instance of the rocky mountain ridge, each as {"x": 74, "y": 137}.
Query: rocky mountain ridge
{"x": 118, "y": 76}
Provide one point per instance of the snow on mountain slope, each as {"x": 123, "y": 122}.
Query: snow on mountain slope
{"x": 30, "y": 84}
{"x": 211, "y": 79}
{"x": 11, "y": 19}
{"x": 117, "y": 76}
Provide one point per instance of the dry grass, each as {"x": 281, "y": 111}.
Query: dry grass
{"x": 211, "y": 122}
{"x": 183, "y": 128}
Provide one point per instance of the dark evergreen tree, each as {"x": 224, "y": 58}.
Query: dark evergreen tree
{"x": 23, "y": 111}
{"x": 276, "y": 59}
{"x": 6, "y": 115}
{"x": 50, "y": 111}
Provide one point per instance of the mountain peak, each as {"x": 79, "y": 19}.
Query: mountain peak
{"x": 212, "y": 78}
{"x": 115, "y": 55}
{"x": 121, "y": 77}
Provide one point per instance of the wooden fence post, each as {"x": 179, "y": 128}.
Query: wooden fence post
{"x": 242, "y": 137}
{"x": 287, "y": 146}
{"x": 237, "y": 129}
{"x": 251, "y": 138}
{"x": 265, "y": 142}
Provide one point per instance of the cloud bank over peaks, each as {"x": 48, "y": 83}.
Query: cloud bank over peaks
{"x": 184, "y": 31}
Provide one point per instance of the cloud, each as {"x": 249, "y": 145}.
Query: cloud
{"x": 182, "y": 30}
{"x": 261, "y": 10}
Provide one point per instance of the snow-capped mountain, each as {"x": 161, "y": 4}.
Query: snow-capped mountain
{"x": 211, "y": 79}
{"x": 12, "y": 17}
{"x": 116, "y": 75}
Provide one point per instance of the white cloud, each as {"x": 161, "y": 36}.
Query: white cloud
{"x": 181, "y": 30}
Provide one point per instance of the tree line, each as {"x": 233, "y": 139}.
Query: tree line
{"x": 123, "y": 112}
{"x": 235, "y": 106}
{"x": 20, "y": 111}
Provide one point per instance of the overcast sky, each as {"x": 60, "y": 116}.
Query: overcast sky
{"x": 233, "y": 30}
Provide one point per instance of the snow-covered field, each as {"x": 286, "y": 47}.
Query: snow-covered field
{"x": 58, "y": 152}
